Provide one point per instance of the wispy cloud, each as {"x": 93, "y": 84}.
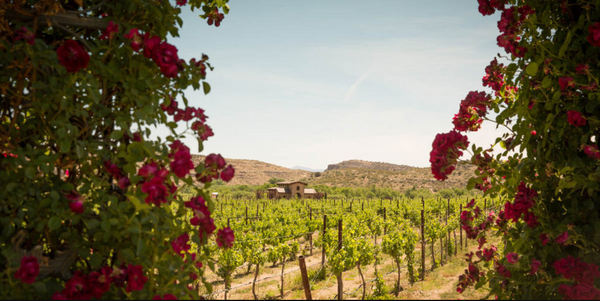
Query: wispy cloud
{"x": 355, "y": 85}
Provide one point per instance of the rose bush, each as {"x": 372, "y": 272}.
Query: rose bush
{"x": 547, "y": 97}
{"x": 89, "y": 205}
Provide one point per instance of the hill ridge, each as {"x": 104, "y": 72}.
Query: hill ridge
{"x": 349, "y": 173}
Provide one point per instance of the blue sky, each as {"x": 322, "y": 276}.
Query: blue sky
{"x": 312, "y": 83}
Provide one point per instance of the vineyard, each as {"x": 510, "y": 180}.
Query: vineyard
{"x": 382, "y": 236}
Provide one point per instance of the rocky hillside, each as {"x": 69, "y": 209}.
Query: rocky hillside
{"x": 253, "y": 172}
{"x": 360, "y": 164}
{"x": 357, "y": 173}
{"x": 352, "y": 173}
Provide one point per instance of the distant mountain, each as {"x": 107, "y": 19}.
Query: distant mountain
{"x": 308, "y": 169}
{"x": 254, "y": 172}
{"x": 359, "y": 173}
{"x": 360, "y": 164}
{"x": 352, "y": 173}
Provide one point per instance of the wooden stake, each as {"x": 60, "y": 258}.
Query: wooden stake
{"x": 304, "y": 274}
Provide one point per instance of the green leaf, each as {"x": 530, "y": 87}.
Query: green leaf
{"x": 206, "y": 87}
{"x": 54, "y": 223}
{"x": 565, "y": 44}
{"x": 95, "y": 260}
{"x": 546, "y": 82}
{"x": 39, "y": 287}
{"x": 92, "y": 224}
{"x": 141, "y": 246}
{"x": 532, "y": 69}
{"x": 30, "y": 172}
{"x": 128, "y": 254}
{"x": 136, "y": 202}
{"x": 116, "y": 135}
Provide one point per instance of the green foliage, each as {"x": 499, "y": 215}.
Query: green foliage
{"x": 53, "y": 120}
{"x": 548, "y": 100}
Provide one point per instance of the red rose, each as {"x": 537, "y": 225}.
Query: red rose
{"x": 575, "y": 119}
{"x": 225, "y": 238}
{"x": 535, "y": 265}
{"x": 562, "y": 238}
{"x": 512, "y": 257}
{"x": 136, "y": 279}
{"x": 110, "y": 31}
{"x": 156, "y": 190}
{"x": 594, "y": 35}
{"x": 25, "y": 34}
{"x": 227, "y": 173}
{"x": 502, "y": 270}
{"x": 181, "y": 244}
{"x": 544, "y": 238}
{"x": 29, "y": 269}
{"x": 165, "y": 296}
{"x": 182, "y": 163}
{"x": 100, "y": 281}
{"x": 216, "y": 17}
{"x": 77, "y": 207}
{"x": 215, "y": 161}
{"x": 72, "y": 56}
{"x": 582, "y": 68}
{"x": 592, "y": 151}
{"x": 148, "y": 170}
{"x": 112, "y": 169}
{"x": 78, "y": 288}
{"x": 446, "y": 150}
{"x": 124, "y": 182}
{"x": 565, "y": 82}
{"x": 171, "y": 109}
{"x": 165, "y": 56}
{"x": 59, "y": 296}
{"x": 585, "y": 291}
{"x": 566, "y": 266}
{"x": 136, "y": 39}
{"x": 181, "y": 2}
{"x": 150, "y": 44}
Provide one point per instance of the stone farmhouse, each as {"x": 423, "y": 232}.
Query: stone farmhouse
{"x": 291, "y": 189}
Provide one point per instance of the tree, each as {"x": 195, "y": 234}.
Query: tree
{"x": 89, "y": 204}
{"x": 547, "y": 98}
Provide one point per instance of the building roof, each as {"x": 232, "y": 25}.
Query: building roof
{"x": 290, "y": 182}
{"x": 280, "y": 189}
{"x": 309, "y": 191}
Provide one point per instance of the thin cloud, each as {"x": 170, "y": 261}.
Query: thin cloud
{"x": 355, "y": 85}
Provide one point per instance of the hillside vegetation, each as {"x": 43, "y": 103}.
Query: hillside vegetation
{"x": 352, "y": 173}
